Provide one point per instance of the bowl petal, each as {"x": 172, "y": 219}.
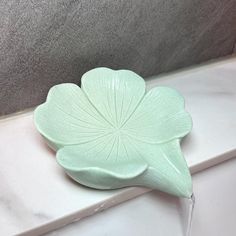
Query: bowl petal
{"x": 67, "y": 117}
{"x": 99, "y": 173}
{"x": 160, "y": 117}
{"x": 115, "y": 94}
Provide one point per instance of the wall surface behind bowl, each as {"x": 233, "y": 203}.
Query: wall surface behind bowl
{"x": 43, "y": 43}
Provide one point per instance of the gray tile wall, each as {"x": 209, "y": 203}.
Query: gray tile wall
{"x": 43, "y": 43}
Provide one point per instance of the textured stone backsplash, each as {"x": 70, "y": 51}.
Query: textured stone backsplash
{"x": 43, "y": 43}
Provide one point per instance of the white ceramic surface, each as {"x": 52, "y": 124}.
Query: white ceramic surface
{"x": 35, "y": 193}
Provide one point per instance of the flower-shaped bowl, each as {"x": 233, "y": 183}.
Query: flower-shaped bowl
{"x": 111, "y": 133}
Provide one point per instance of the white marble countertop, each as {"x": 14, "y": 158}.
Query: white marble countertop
{"x": 158, "y": 214}
{"x": 35, "y": 194}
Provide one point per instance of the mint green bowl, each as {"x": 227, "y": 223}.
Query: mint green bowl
{"x": 110, "y": 133}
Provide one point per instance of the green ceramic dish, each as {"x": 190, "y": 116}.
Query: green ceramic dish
{"x": 110, "y": 133}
